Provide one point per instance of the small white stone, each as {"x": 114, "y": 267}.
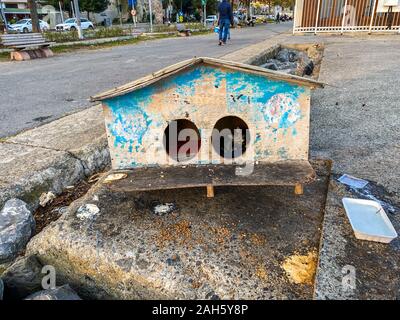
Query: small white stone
{"x": 163, "y": 208}
{"x": 46, "y": 198}
{"x": 87, "y": 211}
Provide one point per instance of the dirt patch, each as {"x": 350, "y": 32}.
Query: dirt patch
{"x": 52, "y": 211}
{"x": 221, "y": 234}
{"x": 301, "y": 269}
{"x": 261, "y": 272}
{"x": 179, "y": 232}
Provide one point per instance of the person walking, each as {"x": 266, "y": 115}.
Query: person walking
{"x": 278, "y": 18}
{"x": 225, "y": 19}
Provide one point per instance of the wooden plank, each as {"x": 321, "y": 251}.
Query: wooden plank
{"x": 210, "y": 191}
{"x": 290, "y": 172}
{"x": 21, "y": 38}
{"x": 298, "y": 189}
{"x": 46, "y": 44}
{"x": 22, "y": 42}
{"x": 147, "y": 80}
{"x": 19, "y": 35}
{"x": 171, "y": 70}
{"x": 262, "y": 71}
{"x": 8, "y": 43}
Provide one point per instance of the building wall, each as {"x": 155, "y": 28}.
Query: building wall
{"x": 276, "y": 112}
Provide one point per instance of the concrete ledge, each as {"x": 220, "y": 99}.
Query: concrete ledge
{"x": 375, "y": 265}
{"x": 81, "y": 134}
{"x": 53, "y": 156}
{"x": 232, "y": 246}
{"x": 27, "y": 171}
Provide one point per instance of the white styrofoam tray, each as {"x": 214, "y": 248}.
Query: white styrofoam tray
{"x": 368, "y": 220}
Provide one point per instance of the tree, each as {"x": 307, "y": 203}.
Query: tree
{"x": 191, "y": 6}
{"x": 65, "y": 4}
{"x": 89, "y": 6}
{"x": 282, "y": 3}
{"x": 93, "y": 6}
{"x": 34, "y": 15}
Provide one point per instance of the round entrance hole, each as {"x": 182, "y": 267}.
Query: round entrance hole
{"x": 182, "y": 140}
{"x": 230, "y": 137}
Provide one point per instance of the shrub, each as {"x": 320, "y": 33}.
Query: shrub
{"x": 98, "y": 33}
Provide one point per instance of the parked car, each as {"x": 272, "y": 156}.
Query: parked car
{"x": 211, "y": 19}
{"x": 25, "y": 25}
{"x": 72, "y": 25}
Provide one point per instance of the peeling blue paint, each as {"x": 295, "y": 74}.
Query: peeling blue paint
{"x": 270, "y": 104}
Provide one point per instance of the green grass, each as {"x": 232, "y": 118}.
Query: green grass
{"x": 4, "y": 56}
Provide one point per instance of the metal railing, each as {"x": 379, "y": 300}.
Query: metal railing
{"x": 345, "y": 16}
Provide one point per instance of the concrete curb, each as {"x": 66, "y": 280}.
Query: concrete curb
{"x": 53, "y": 156}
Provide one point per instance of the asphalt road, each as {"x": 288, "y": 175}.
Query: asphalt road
{"x": 38, "y": 91}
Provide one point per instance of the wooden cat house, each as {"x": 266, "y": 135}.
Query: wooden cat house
{"x": 198, "y": 97}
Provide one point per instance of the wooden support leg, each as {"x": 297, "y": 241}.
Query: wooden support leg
{"x": 210, "y": 191}
{"x": 298, "y": 189}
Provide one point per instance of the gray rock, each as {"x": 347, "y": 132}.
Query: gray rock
{"x": 289, "y": 71}
{"x": 60, "y": 293}
{"x": 270, "y": 64}
{"x": 283, "y": 55}
{"x": 287, "y": 65}
{"x": 16, "y": 228}
{"x": 1, "y": 289}
{"x": 309, "y": 68}
{"x": 293, "y": 55}
{"x": 23, "y": 278}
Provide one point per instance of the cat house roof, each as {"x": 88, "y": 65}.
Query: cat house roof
{"x": 185, "y": 65}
